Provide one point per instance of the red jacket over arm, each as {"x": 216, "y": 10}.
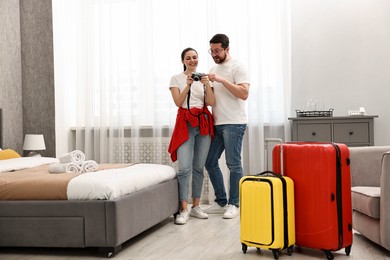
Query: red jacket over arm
{"x": 180, "y": 132}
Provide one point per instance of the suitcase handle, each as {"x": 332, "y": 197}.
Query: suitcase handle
{"x": 269, "y": 173}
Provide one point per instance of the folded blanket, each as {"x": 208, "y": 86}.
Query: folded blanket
{"x": 75, "y": 156}
{"x": 89, "y": 166}
{"x": 64, "y": 167}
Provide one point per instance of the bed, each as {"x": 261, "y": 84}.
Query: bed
{"x": 100, "y": 223}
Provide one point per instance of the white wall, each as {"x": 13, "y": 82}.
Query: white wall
{"x": 341, "y": 57}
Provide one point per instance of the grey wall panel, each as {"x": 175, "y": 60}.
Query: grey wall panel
{"x": 38, "y": 71}
{"x": 10, "y": 75}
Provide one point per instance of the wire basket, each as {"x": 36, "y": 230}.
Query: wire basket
{"x": 327, "y": 113}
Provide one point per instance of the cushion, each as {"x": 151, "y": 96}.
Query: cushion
{"x": 366, "y": 200}
{"x": 8, "y": 154}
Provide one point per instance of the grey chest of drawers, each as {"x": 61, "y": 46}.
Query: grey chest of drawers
{"x": 350, "y": 130}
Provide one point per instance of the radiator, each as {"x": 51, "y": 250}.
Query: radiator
{"x": 142, "y": 150}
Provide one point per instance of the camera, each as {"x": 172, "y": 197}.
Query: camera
{"x": 197, "y": 75}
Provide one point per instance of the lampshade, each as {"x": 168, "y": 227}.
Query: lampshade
{"x": 34, "y": 143}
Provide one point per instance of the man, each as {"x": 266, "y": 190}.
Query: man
{"x": 231, "y": 89}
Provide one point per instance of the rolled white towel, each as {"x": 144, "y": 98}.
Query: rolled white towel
{"x": 64, "y": 167}
{"x": 75, "y": 156}
{"x": 89, "y": 166}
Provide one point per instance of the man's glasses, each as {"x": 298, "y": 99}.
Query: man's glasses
{"x": 216, "y": 51}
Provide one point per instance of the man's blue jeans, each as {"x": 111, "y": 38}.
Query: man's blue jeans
{"x": 192, "y": 156}
{"x": 227, "y": 138}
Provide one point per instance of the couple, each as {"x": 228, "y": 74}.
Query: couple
{"x": 199, "y": 137}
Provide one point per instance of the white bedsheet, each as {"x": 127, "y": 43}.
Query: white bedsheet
{"x": 114, "y": 183}
{"x": 24, "y": 163}
{"x": 105, "y": 184}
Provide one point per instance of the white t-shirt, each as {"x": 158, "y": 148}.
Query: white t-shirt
{"x": 229, "y": 109}
{"x": 197, "y": 90}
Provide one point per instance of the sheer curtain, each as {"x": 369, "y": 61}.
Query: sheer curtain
{"x": 114, "y": 59}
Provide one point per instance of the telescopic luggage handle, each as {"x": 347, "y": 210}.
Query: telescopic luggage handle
{"x": 275, "y": 140}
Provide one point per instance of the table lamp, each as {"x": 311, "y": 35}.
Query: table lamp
{"x": 34, "y": 143}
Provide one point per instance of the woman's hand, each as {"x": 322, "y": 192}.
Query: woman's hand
{"x": 190, "y": 80}
{"x": 205, "y": 80}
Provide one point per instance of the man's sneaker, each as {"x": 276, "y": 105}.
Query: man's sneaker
{"x": 231, "y": 212}
{"x": 182, "y": 218}
{"x": 197, "y": 212}
{"x": 215, "y": 209}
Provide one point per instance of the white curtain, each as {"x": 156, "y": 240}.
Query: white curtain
{"x": 114, "y": 59}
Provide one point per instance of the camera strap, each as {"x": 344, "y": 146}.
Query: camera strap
{"x": 204, "y": 102}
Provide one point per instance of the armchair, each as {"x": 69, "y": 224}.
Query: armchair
{"x": 370, "y": 178}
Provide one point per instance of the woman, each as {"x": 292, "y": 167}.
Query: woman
{"x": 193, "y": 131}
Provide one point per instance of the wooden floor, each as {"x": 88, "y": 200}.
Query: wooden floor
{"x": 213, "y": 238}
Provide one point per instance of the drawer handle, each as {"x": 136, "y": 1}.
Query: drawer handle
{"x": 350, "y": 132}
{"x": 313, "y": 133}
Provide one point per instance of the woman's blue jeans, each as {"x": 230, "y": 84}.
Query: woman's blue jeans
{"x": 192, "y": 157}
{"x": 227, "y": 138}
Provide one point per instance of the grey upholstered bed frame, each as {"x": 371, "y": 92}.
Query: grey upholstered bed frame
{"x": 104, "y": 224}
{"x": 100, "y": 223}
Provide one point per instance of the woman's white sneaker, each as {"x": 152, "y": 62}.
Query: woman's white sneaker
{"x": 231, "y": 212}
{"x": 197, "y": 212}
{"x": 182, "y": 218}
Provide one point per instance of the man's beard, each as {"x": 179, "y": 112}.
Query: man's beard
{"x": 220, "y": 60}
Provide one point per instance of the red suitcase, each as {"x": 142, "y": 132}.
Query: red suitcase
{"x": 323, "y": 207}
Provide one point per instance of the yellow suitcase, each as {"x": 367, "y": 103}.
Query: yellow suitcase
{"x": 267, "y": 217}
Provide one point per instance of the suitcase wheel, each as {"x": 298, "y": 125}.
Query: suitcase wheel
{"x": 275, "y": 252}
{"x": 244, "y": 248}
{"x": 328, "y": 254}
{"x": 348, "y": 250}
{"x": 290, "y": 250}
